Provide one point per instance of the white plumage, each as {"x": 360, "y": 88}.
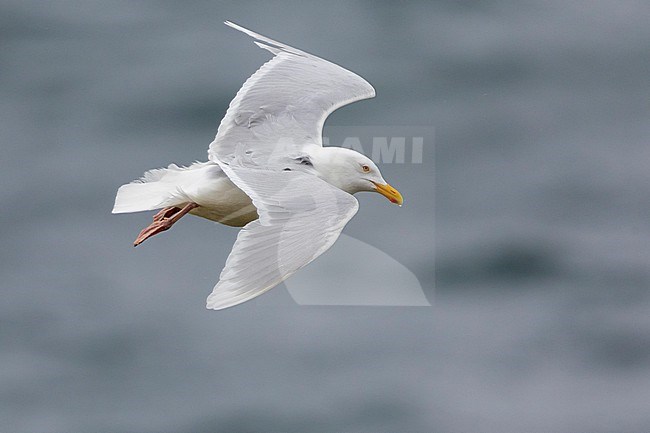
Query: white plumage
{"x": 268, "y": 172}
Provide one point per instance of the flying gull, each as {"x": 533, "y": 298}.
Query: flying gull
{"x": 268, "y": 172}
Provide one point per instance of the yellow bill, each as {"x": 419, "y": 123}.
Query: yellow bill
{"x": 390, "y": 193}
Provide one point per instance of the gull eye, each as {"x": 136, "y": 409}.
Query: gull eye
{"x": 365, "y": 168}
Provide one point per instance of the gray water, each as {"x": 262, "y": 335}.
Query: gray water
{"x": 533, "y": 201}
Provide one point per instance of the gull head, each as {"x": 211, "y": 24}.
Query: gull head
{"x": 352, "y": 172}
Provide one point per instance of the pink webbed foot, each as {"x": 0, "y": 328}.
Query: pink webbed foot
{"x": 162, "y": 221}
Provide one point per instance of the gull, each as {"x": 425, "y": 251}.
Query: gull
{"x": 268, "y": 172}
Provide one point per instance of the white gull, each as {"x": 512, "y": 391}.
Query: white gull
{"x": 269, "y": 173}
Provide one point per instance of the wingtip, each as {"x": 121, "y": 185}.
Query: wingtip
{"x": 240, "y": 28}
{"x": 215, "y": 306}
{"x": 263, "y": 41}
{"x": 211, "y": 303}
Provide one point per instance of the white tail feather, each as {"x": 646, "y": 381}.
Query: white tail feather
{"x": 152, "y": 191}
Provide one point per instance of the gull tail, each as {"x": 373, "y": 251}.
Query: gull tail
{"x": 153, "y": 191}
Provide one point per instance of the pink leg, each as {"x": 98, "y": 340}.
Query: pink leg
{"x": 166, "y": 213}
{"x": 162, "y": 221}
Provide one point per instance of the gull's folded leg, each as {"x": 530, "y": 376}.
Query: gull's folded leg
{"x": 166, "y": 213}
{"x": 162, "y": 221}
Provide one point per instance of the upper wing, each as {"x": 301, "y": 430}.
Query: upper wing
{"x": 300, "y": 217}
{"x": 285, "y": 102}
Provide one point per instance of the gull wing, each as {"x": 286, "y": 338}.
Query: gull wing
{"x": 285, "y": 102}
{"x": 300, "y": 217}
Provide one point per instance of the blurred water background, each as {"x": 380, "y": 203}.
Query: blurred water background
{"x": 534, "y": 203}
